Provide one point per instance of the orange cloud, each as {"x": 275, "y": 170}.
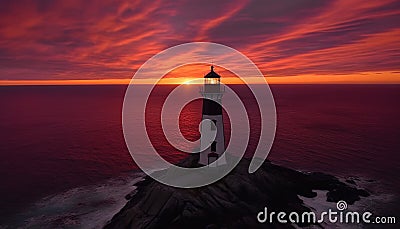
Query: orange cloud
{"x": 210, "y": 23}
{"x": 109, "y": 40}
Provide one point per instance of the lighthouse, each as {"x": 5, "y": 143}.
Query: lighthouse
{"x": 212, "y": 120}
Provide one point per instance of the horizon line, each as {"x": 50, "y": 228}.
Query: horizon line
{"x": 113, "y": 82}
{"x": 388, "y": 77}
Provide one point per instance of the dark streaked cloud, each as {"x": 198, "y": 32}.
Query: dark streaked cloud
{"x": 110, "y": 39}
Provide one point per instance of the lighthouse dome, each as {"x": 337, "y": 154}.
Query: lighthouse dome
{"x": 212, "y": 74}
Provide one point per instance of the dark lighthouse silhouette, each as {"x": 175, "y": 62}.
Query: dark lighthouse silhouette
{"x": 212, "y": 120}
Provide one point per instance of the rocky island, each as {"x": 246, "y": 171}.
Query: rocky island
{"x": 232, "y": 202}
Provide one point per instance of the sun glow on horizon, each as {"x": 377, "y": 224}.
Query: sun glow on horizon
{"x": 354, "y": 78}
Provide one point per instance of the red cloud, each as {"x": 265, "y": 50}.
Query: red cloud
{"x": 111, "y": 39}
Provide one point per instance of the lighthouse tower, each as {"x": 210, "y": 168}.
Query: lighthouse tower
{"x": 212, "y": 93}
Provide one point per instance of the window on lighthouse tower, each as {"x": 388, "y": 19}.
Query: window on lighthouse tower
{"x": 214, "y": 146}
{"x": 214, "y": 127}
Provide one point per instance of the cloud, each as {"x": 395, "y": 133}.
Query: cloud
{"x": 73, "y": 40}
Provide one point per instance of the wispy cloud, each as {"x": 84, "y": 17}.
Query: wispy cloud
{"x": 83, "y": 40}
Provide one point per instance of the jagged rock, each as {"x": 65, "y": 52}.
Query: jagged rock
{"x": 232, "y": 202}
{"x": 130, "y": 195}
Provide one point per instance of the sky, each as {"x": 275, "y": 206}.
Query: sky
{"x": 105, "y": 42}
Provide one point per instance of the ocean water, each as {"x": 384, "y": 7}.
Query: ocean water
{"x": 61, "y": 145}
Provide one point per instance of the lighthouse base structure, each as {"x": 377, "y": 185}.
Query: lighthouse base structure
{"x": 213, "y": 149}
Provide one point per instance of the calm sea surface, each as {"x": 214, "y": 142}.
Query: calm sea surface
{"x": 57, "y": 138}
